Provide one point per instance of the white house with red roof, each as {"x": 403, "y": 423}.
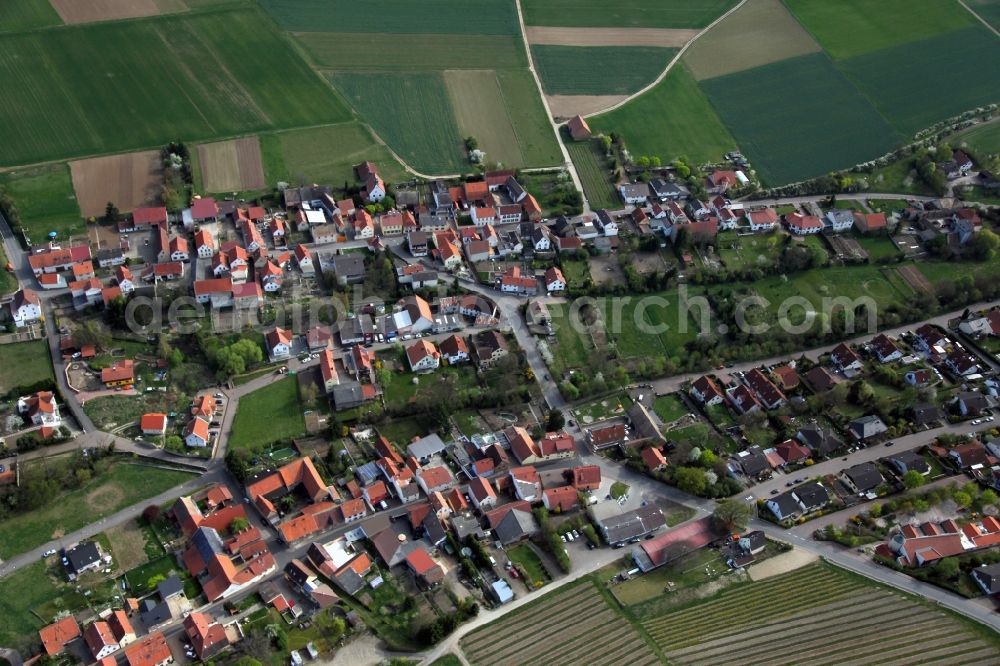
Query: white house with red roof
{"x": 554, "y": 280}
{"x": 178, "y": 249}
{"x": 40, "y": 409}
{"x": 304, "y": 259}
{"x": 25, "y": 308}
{"x": 482, "y": 494}
{"x": 803, "y": 224}
{"x": 217, "y": 291}
{"x": 454, "y": 349}
{"x": 328, "y": 370}
{"x": 204, "y": 244}
{"x": 123, "y": 276}
{"x": 434, "y": 479}
{"x": 278, "y": 342}
{"x": 374, "y": 188}
{"x": 153, "y": 424}
{"x": 482, "y": 216}
{"x": 423, "y": 356}
{"x": 706, "y": 391}
{"x": 763, "y": 219}
{"x": 196, "y": 433}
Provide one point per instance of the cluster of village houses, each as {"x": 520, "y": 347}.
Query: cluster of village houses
{"x": 227, "y": 553}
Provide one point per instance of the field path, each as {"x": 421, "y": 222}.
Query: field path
{"x": 663, "y": 74}
{"x": 567, "y": 162}
{"x": 980, "y": 18}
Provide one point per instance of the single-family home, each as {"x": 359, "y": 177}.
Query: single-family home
{"x": 863, "y": 478}
{"x": 153, "y": 424}
{"x": 866, "y": 427}
{"x": 803, "y": 224}
{"x": 423, "y": 356}
{"x": 846, "y": 359}
{"x": 885, "y": 348}
{"x": 278, "y": 343}
{"x": 25, "y": 308}
{"x": 554, "y": 280}
{"x": 196, "y": 433}
{"x": 762, "y": 219}
{"x": 869, "y": 222}
{"x": 634, "y": 193}
{"x": 454, "y": 350}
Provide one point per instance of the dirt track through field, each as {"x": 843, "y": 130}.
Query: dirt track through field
{"x": 89, "y": 11}
{"x": 129, "y": 180}
{"x": 567, "y": 106}
{"x": 609, "y": 36}
{"x": 780, "y": 564}
{"x": 231, "y": 166}
{"x": 916, "y": 279}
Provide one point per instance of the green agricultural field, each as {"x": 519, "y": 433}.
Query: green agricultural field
{"x": 325, "y": 154}
{"x": 484, "y": 17}
{"x": 591, "y": 165}
{"x": 380, "y": 51}
{"x": 888, "y": 77}
{"x": 45, "y": 200}
{"x": 24, "y": 364}
{"x": 941, "y": 271}
{"x": 123, "y": 485}
{"x": 267, "y": 415}
{"x": 108, "y": 87}
{"x": 598, "y": 70}
{"x": 848, "y": 28}
{"x": 535, "y": 136}
{"x": 624, "y": 13}
{"x": 20, "y": 15}
{"x": 822, "y": 122}
{"x": 412, "y": 114}
{"x": 480, "y": 111}
{"x": 673, "y": 119}
{"x": 983, "y": 139}
{"x": 989, "y": 10}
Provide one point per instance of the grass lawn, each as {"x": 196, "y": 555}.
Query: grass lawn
{"x": 123, "y": 485}
{"x": 850, "y": 27}
{"x": 575, "y": 272}
{"x": 669, "y": 407}
{"x": 268, "y": 414}
{"x": 595, "y": 176}
{"x": 982, "y": 195}
{"x": 468, "y": 422}
{"x": 529, "y": 562}
{"x": 985, "y": 138}
{"x": 81, "y": 74}
{"x": 740, "y": 252}
{"x": 666, "y": 333}
{"x": 140, "y": 577}
{"x": 673, "y": 119}
{"x": 447, "y": 660}
{"x": 401, "y": 389}
{"x": 898, "y": 176}
{"x": 699, "y": 567}
{"x": 824, "y": 124}
{"x": 24, "y": 364}
{"x": 8, "y": 284}
{"x": 624, "y": 13}
{"x": 28, "y": 588}
{"x": 603, "y": 409}
{"x": 598, "y": 70}
{"x": 570, "y": 349}
{"x": 401, "y": 431}
{"x": 720, "y": 416}
{"x": 45, "y": 200}
{"x": 887, "y": 205}
{"x": 878, "y": 246}
{"x": 109, "y": 411}
{"x": 325, "y": 155}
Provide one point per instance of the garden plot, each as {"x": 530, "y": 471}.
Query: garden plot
{"x": 231, "y": 166}
{"x": 560, "y": 628}
{"x": 128, "y": 181}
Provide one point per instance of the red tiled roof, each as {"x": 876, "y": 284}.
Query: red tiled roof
{"x": 563, "y": 497}
{"x": 420, "y": 561}
{"x": 153, "y": 422}
{"x": 149, "y": 651}
{"x": 56, "y": 635}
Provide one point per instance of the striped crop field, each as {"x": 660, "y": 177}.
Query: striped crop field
{"x": 560, "y": 628}
{"x": 817, "y": 615}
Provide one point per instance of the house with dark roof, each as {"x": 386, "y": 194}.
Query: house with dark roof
{"x": 82, "y": 558}
{"x": 821, "y": 441}
{"x": 753, "y": 462}
{"x": 516, "y": 526}
{"x": 866, "y": 427}
{"x": 905, "y": 461}
{"x": 706, "y": 391}
{"x": 606, "y": 436}
{"x": 811, "y": 496}
{"x": 820, "y": 379}
{"x": 622, "y": 527}
{"x": 987, "y": 577}
{"x": 784, "y": 506}
{"x": 863, "y": 478}
{"x": 926, "y": 414}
